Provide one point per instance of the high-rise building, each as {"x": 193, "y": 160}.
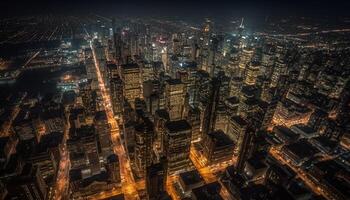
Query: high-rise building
{"x": 117, "y": 97}
{"x": 160, "y": 118}
{"x": 210, "y": 110}
{"x": 195, "y": 122}
{"x": 236, "y": 130}
{"x": 131, "y": 76}
{"x": 113, "y": 168}
{"x": 175, "y": 92}
{"x": 252, "y": 73}
{"x": 245, "y": 58}
{"x": 245, "y": 149}
{"x": 28, "y": 185}
{"x": 218, "y": 147}
{"x": 144, "y": 135}
{"x": 156, "y": 177}
{"x": 88, "y": 97}
{"x": 177, "y": 144}
{"x": 103, "y": 129}
{"x": 83, "y": 150}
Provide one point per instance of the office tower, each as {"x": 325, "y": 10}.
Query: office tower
{"x": 160, "y": 118}
{"x": 131, "y": 76}
{"x": 195, "y": 122}
{"x": 89, "y": 64}
{"x": 207, "y": 31}
{"x": 211, "y": 56}
{"x": 101, "y": 59}
{"x": 175, "y": 92}
{"x": 117, "y": 98}
{"x": 151, "y": 95}
{"x": 224, "y": 87}
{"x": 210, "y": 110}
{"x": 231, "y": 106}
{"x": 218, "y": 147}
{"x": 88, "y": 97}
{"x": 112, "y": 70}
{"x": 177, "y": 143}
{"x": 103, "y": 130}
{"x": 83, "y": 150}
{"x": 207, "y": 191}
{"x": 201, "y": 87}
{"x": 236, "y": 130}
{"x": 279, "y": 69}
{"x": 252, "y": 73}
{"x": 28, "y": 185}
{"x": 144, "y": 135}
{"x": 113, "y": 168}
{"x": 245, "y": 149}
{"x": 245, "y": 58}
{"x": 156, "y": 177}
{"x": 235, "y": 85}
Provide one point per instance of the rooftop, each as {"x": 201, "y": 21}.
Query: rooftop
{"x": 239, "y": 120}
{"x": 209, "y": 191}
{"x": 302, "y": 149}
{"x": 177, "y": 126}
{"x": 174, "y": 81}
{"x": 191, "y": 177}
{"x": 220, "y": 138}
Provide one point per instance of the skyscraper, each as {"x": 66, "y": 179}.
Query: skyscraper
{"x": 175, "y": 92}
{"x": 252, "y": 73}
{"x": 104, "y": 136}
{"x": 210, "y": 110}
{"x": 144, "y": 135}
{"x": 131, "y": 76}
{"x": 156, "y": 177}
{"x": 177, "y": 143}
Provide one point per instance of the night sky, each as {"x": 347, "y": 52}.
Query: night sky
{"x": 177, "y": 7}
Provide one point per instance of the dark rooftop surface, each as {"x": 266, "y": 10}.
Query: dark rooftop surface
{"x": 302, "y": 149}
{"x": 209, "y": 191}
{"x": 256, "y": 163}
{"x": 174, "y": 81}
{"x": 100, "y": 115}
{"x": 306, "y": 129}
{"x": 130, "y": 66}
{"x": 191, "y": 177}
{"x": 163, "y": 114}
{"x": 220, "y": 138}
{"x": 177, "y": 126}
{"x": 232, "y": 100}
{"x": 112, "y": 158}
{"x": 239, "y": 120}
{"x": 326, "y": 142}
{"x": 285, "y": 131}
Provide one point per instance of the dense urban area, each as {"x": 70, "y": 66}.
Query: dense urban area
{"x": 104, "y": 107}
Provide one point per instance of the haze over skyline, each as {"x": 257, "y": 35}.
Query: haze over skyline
{"x": 181, "y": 7}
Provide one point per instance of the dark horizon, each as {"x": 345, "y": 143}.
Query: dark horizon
{"x": 181, "y": 8}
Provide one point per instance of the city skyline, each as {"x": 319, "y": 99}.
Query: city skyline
{"x": 199, "y": 100}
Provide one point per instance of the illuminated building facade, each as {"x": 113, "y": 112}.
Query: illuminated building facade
{"x": 177, "y": 142}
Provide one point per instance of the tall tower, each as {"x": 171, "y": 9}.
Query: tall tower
{"x": 210, "y": 111}
{"x": 103, "y": 131}
{"x": 156, "y": 177}
{"x": 131, "y": 76}
{"x": 144, "y": 135}
{"x": 245, "y": 149}
{"x": 177, "y": 143}
{"x": 175, "y": 93}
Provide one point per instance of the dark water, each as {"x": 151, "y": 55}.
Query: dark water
{"x": 34, "y": 82}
